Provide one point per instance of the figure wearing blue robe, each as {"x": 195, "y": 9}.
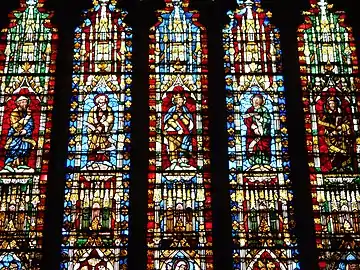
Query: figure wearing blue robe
{"x": 178, "y": 128}
{"x": 19, "y": 140}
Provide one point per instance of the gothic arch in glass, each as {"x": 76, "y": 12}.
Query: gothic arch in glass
{"x": 95, "y": 226}
{"x": 179, "y": 227}
{"x": 259, "y": 167}
{"x": 27, "y": 63}
{"x": 330, "y": 82}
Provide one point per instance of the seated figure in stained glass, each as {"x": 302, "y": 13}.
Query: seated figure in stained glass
{"x": 335, "y": 135}
{"x": 19, "y": 140}
{"x": 99, "y": 122}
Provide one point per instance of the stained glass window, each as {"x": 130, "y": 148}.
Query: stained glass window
{"x": 261, "y": 196}
{"x": 27, "y": 64}
{"x": 95, "y": 225}
{"x": 330, "y": 83}
{"x": 179, "y": 215}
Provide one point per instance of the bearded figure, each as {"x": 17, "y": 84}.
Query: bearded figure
{"x": 335, "y": 137}
{"x": 178, "y": 129}
{"x": 19, "y": 142}
{"x": 100, "y": 124}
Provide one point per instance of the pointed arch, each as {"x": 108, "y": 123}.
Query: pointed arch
{"x": 96, "y": 219}
{"x": 28, "y": 49}
{"x": 179, "y": 212}
{"x": 259, "y": 166}
{"x": 330, "y": 82}
{"x": 266, "y": 258}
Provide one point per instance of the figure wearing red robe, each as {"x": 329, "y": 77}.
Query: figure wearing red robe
{"x": 258, "y": 138}
{"x": 266, "y": 262}
{"x": 335, "y": 142}
{"x": 352, "y": 266}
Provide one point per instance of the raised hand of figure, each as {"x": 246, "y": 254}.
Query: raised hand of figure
{"x": 23, "y": 132}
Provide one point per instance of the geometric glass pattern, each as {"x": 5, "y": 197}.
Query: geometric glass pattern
{"x": 95, "y": 223}
{"x": 27, "y": 63}
{"x": 179, "y": 230}
{"x": 259, "y": 167}
{"x": 330, "y": 84}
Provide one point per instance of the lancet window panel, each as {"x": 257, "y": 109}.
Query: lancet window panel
{"x": 179, "y": 214}
{"x": 28, "y": 49}
{"x": 95, "y": 225}
{"x": 330, "y": 82}
{"x": 259, "y": 165}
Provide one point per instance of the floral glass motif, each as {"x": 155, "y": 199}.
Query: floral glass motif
{"x": 179, "y": 226}
{"x": 330, "y": 83}
{"x": 261, "y": 196}
{"x": 27, "y": 63}
{"x": 95, "y": 225}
